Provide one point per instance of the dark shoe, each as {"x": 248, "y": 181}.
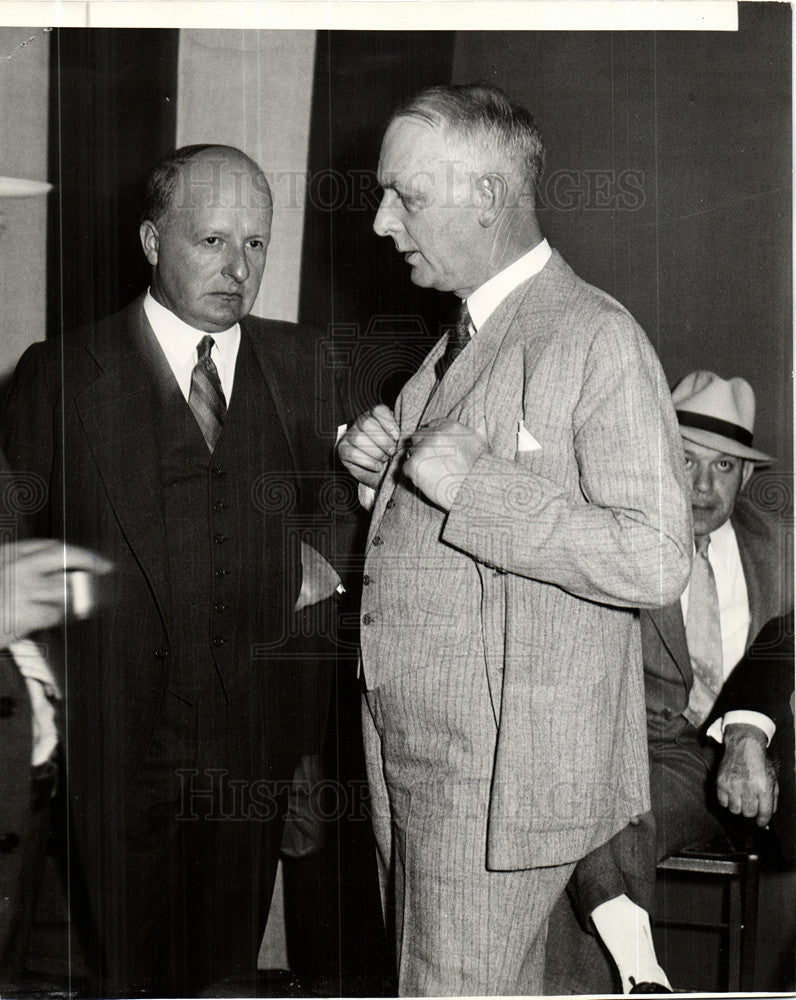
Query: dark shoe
{"x": 648, "y": 987}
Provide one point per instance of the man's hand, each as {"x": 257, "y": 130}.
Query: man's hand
{"x": 32, "y": 586}
{"x": 746, "y": 782}
{"x": 368, "y": 444}
{"x": 441, "y": 456}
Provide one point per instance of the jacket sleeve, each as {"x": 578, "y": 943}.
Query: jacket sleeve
{"x": 624, "y": 537}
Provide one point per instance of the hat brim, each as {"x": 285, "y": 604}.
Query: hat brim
{"x": 724, "y": 444}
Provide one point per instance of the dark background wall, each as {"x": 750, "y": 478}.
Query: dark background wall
{"x": 112, "y": 117}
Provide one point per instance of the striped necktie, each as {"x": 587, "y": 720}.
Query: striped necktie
{"x": 458, "y": 339}
{"x": 703, "y": 634}
{"x": 206, "y": 397}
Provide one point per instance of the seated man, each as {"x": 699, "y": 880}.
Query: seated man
{"x": 689, "y": 650}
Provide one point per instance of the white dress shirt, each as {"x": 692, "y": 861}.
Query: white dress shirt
{"x": 725, "y": 560}
{"x": 487, "y": 297}
{"x": 180, "y": 341}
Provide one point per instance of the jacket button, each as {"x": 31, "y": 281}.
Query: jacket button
{"x": 7, "y": 707}
{"x": 161, "y": 654}
{"x": 367, "y": 619}
{"x": 365, "y": 580}
{"x": 377, "y": 540}
{"x": 219, "y": 640}
{"x": 217, "y": 473}
{"x": 9, "y": 842}
{"x": 667, "y": 713}
{"x": 219, "y": 539}
{"x": 390, "y": 504}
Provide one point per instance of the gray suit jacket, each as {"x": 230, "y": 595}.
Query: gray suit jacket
{"x": 568, "y": 540}
{"x": 667, "y": 666}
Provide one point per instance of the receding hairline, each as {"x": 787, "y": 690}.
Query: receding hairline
{"x": 164, "y": 179}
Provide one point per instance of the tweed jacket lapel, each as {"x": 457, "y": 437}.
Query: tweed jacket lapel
{"x": 282, "y": 402}
{"x": 118, "y": 413}
{"x": 422, "y": 399}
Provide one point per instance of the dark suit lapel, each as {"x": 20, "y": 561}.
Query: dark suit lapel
{"x": 761, "y": 582}
{"x": 670, "y": 626}
{"x": 118, "y": 413}
{"x": 282, "y": 403}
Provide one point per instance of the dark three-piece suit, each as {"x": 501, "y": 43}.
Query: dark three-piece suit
{"x": 191, "y": 692}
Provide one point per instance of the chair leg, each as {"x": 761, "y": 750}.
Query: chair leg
{"x": 751, "y": 896}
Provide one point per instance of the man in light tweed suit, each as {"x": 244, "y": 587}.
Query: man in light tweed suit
{"x": 529, "y": 498}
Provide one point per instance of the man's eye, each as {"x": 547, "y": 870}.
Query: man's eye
{"x": 725, "y": 465}
{"x": 211, "y": 241}
{"x": 256, "y": 244}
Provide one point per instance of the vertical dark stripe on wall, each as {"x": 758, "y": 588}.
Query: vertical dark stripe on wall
{"x": 112, "y": 117}
{"x": 349, "y": 276}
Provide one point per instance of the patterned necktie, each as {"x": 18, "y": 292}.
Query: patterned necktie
{"x": 206, "y": 397}
{"x": 703, "y": 632}
{"x": 458, "y": 339}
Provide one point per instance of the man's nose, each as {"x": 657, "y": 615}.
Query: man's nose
{"x": 702, "y": 480}
{"x": 237, "y": 264}
{"x": 386, "y": 222}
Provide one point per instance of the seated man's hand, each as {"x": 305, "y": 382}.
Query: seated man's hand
{"x": 441, "y": 456}
{"x": 368, "y": 444}
{"x": 32, "y": 583}
{"x": 746, "y": 782}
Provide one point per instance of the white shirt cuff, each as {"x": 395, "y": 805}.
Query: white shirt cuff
{"x": 740, "y": 716}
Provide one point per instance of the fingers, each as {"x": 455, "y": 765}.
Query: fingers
{"x": 768, "y": 802}
{"x": 370, "y": 442}
{"x": 43, "y": 556}
{"x": 384, "y": 415}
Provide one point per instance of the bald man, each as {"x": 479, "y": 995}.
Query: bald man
{"x": 170, "y": 436}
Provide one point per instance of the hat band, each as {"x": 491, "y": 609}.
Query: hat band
{"x": 733, "y": 431}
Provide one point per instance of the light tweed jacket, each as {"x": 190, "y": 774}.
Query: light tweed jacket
{"x": 574, "y": 518}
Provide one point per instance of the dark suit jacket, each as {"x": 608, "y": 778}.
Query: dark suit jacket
{"x": 667, "y": 667}
{"x": 83, "y": 421}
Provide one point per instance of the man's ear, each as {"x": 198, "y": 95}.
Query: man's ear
{"x": 150, "y": 241}
{"x": 492, "y": 192}
{"x": 746, "y": 474}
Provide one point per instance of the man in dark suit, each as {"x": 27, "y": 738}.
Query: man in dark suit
{"x": 174, "y": 438}
{"x": 690, "y": 648}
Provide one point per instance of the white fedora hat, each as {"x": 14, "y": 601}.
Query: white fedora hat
{"x": 718, "y": 413}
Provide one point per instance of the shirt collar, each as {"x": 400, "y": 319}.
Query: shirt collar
{"x": 179, "y": 340}
{"x": 484, "y": 300}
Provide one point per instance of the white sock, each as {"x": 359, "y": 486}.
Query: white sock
{"x": 625, "y": 930}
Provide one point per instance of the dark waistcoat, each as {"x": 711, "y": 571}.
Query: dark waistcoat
{"x": 227, "y": 555}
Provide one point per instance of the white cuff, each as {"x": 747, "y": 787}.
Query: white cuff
{"x": 741, "y": 716}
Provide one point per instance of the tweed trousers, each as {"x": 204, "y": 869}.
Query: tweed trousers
{"x": 459, "y": 928}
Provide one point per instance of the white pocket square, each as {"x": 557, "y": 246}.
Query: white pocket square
{"x": 525, "y": 440}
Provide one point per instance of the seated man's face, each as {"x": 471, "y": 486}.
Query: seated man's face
{"x": 716, "y": 480}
